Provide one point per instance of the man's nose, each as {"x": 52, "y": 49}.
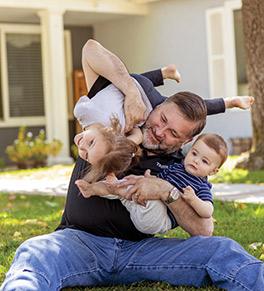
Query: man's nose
{"x": 160, "y": 131}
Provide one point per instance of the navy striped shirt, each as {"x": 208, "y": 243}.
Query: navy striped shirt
{"x": 177, "y": 176}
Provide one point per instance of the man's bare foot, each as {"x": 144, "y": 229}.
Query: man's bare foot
{"x": 171, "y": 72}
{"x": 242, "y": 102}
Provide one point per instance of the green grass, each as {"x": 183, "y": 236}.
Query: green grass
{"x": 229, "y": 174}
{"x": 24, "y": 216}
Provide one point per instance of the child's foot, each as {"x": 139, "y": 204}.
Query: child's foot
{"x": 111, "y": 183}
{"x": 84, "y": 187}
{"x": 242, "y": 102}
{"x": 171, "y": 72}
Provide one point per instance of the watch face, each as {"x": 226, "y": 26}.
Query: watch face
{"x": 174, "y": 195}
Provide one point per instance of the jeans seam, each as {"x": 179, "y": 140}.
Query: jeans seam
{"x": 242, "y": 266}
{"x": 73, "y": 275}
{"x": 32, "y": 271}
{"x": 76, "y": 237}
{"x": 189, "y": 266}
{"x": 230, "y": 278}
{"x": 138, "y": 250}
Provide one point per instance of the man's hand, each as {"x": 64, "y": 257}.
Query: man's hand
{"x": 134, "y": 109}
{"x": 146, "y": 188}
{"x": 98, "y": 61}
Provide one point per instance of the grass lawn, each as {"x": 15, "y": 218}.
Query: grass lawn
{"x": 24, "y": 216}
{"x": 229, "y": 174}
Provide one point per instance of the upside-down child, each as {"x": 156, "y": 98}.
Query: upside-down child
{"x": 103, "y": 142}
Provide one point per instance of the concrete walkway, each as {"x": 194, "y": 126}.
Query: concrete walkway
{"x": 40, "y": 187}
{"x": 247, "y": 193}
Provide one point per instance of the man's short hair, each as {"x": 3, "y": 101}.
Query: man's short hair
{"x": 192, "y": 107}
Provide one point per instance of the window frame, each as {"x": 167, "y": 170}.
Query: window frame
{"x": 228, "y": 56}
{"x": 7, "y": 120}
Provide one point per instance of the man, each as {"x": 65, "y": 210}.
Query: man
{"x": 96, "y": 242}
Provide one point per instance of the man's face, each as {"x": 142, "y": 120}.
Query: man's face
{"x": 166, "y": 129}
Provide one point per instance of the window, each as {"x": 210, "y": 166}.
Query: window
{"x": 226, "y": 55}
{"x": 24, "y": 68}
{"x": 21, "y": 90}
{"x": 22, "y": 98}
{"x": 216, "y": 54}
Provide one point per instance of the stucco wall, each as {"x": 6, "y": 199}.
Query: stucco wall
{"x": 173, "y": 32}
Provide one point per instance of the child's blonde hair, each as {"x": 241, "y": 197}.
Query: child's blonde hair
{"x": 217, "y": 143}
{"x": 122, "y": 154}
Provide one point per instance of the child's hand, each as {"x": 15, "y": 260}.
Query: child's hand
{"x": 111, "y": 183}
{"x": 188, "y": 194}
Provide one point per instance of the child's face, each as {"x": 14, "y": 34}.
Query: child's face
{"x": 91, "y": 145}
{"x": 201, "y": 160}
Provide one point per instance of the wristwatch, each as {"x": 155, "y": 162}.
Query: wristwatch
{"x": 174, "y": 195}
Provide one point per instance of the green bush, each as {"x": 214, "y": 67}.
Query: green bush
{"x": 28, "y": 148}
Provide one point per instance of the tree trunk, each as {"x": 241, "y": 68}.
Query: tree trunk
{"x": 253, "y": 28}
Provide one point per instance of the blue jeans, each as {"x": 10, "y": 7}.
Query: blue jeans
{"x": 76, "y": 258}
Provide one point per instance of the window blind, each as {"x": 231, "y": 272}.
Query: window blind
{"x": 24, "y": 75}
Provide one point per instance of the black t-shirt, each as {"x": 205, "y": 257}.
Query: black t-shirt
{"x": 105, "y": 217}
{"x": 109, "y": 218}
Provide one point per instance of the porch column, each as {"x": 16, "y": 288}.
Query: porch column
{"x": 55, "y": 82}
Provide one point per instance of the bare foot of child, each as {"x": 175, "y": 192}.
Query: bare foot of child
{"x": 88, "y": 190}
{"x": 84, "y": 188}
{"x": 242, "y": 102}
{"x": 171, "y": 72}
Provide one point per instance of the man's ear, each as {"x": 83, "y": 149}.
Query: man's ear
{"x": 187, "y": 141}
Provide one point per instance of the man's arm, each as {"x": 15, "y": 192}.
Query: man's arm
{"x": 97, "y": 60}
{"x": 152, "y": 188}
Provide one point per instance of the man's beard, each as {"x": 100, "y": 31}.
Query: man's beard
{"x": 152, "y": 146}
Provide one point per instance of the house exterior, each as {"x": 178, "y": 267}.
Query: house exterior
{"x": 41, "y": 42}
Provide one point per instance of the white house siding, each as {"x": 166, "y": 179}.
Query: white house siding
{"x": 51, "y": 17}
{"x": 174, "y": 31}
